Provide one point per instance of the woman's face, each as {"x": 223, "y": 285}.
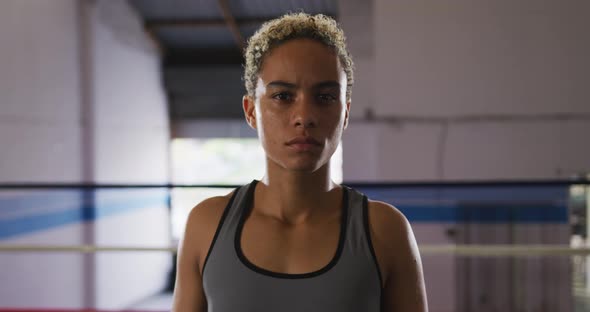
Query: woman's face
{"x": 300, "y": 107}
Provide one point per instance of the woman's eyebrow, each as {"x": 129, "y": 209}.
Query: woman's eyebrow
{"x": 319, "y": 85}
{"x": 280, "y": 83}
{"x": 327, "y": 84}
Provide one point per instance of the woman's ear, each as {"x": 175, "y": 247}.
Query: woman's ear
{"x": 249, "y": 110}
{"x": 346, "y": 114}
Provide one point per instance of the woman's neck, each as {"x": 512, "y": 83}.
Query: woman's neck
{"x": 295, "y": 197}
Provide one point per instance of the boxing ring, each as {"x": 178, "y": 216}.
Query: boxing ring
{"x": 491, "y": 246}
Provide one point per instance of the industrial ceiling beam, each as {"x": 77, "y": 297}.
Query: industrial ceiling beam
{"x": 202, "y": 57}
{"x": 156, "y": 41}
{"x": 208, "y": 22}
{"x": 158, "y": 23}
{"x": 231, "y": 24}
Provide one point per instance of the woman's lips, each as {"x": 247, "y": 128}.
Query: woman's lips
{"x": 303, "y": 147}
{"x": 304, "y": 144}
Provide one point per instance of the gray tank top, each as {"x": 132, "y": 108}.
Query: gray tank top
{"x": 351, "y": 281}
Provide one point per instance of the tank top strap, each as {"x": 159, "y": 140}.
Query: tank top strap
{"x": 242, "y": 195}
{"x": 355, "y": 236}
{"x": 233, "y": 211}
{"x": 358, "y": 237}
{"x": 230, "y": 219}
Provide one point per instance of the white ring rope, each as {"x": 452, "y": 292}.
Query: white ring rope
{"x": 461, "y": 250}
{"x": 81, "y": 248}
{"x": 504, "y": 250}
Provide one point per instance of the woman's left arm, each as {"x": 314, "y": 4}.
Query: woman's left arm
{"x": 399, "y": 260}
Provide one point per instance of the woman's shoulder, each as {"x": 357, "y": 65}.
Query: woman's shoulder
{"x": 202, "y": 224}
{"x": 385, "y": 216}
{"x": 208, "y": 210}
{"x": 398, "y": 257}
{"x": 391, "y": 235}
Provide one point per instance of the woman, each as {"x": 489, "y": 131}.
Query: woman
{"x": 295, "y": 240}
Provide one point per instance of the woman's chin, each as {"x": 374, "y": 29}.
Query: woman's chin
{"x": 299, "y": 164}
{"x": 302, "y": 166}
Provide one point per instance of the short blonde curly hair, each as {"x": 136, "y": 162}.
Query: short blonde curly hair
{"x": 293, "y": 26}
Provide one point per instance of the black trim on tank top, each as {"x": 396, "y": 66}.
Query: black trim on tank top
{"x": 246, "y": 207}
{"x": 368, "y": 236}
{"x": 219, "y": 225}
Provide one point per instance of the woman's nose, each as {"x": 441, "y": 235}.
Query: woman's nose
{"x": 304, "y": 114}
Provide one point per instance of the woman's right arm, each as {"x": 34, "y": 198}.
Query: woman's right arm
{"x": 193, "y": 248}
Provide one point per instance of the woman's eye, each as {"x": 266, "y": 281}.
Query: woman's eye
{"x": 326, "y": 97}
{"x": 282, "y": 96}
